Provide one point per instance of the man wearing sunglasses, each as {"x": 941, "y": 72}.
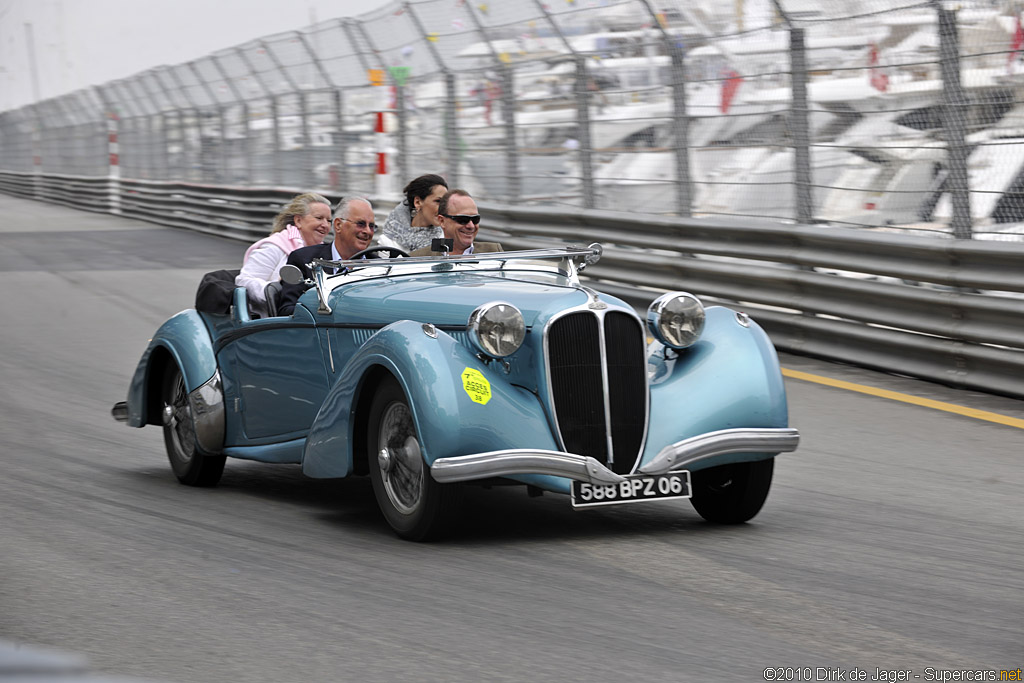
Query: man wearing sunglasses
{"x": 353, "y": 230}
{"x": 460, "y": 221}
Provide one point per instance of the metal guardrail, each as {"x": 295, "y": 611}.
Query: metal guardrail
{"x": 951, "y": 311}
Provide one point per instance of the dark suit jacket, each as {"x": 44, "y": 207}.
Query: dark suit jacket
{"x": 478, "y": 248}
{"x": 300, "y": 257}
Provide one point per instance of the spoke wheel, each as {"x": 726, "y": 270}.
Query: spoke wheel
{"x": 732, "y": 494}
{"x": 416, "y": 506}
{"x": 189, "y": 465}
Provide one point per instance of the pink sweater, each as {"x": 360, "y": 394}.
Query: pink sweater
{"x": 287, "y": 240}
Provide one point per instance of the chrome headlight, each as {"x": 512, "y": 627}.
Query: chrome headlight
{"x": 497, "y": 329}
{"x": 676, "y": 319}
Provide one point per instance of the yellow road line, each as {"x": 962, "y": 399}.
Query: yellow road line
{"x": 907, "y": 398}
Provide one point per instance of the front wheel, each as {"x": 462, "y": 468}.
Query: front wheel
{"x": 732, "y": 494}
{"x": 189, "y": 465}
{"x": 416, "y": 506}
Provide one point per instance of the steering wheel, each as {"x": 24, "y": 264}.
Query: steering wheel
{"x": 393, "y": 252}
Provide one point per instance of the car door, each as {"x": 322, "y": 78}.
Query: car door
{"x": 275, "y": 376}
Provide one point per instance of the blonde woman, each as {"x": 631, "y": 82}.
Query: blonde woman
{"x": 305, "y": 221}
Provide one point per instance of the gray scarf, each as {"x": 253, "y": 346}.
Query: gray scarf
{"x": 398, "y": 227}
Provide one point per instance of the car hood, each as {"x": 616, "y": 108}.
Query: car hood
{"x": 449, "y": 298}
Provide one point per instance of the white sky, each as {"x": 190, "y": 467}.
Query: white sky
{"x": 85, "y": 42}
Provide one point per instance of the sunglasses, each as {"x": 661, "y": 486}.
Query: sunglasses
{"x": 463, "y": 219}
{"x": 362, "y": 225}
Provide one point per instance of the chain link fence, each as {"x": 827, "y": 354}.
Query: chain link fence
{"x": 859, "y": 113}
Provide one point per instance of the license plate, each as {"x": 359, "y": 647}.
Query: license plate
{"x": 634, "y": 489}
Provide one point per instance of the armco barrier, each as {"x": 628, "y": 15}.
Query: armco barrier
{"x": 946, "y": 310}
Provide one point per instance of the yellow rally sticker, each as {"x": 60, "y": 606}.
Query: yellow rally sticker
{"x": 476, "y": 385}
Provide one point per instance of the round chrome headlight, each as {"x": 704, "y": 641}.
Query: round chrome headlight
{"x": 676, "y": 319}
{"x": 497, "y": 329}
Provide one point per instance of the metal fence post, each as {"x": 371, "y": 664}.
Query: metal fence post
{"x": 508, "y": 111}
{"x": 954, "y": 119}
{"x": 801, "y": 131}
{"x": 246, "y": 143}
{"x": 586, "y": 148}
{"x": 681, "y": 134}
{"x": 400, "y": 116}
{"x": 158, "y": 126}
{"x": 37, "y": 154}
{"x": 307, "y": 174}
{"x": 451, "y": 133}
{"x": 181, "y": 158}
{"x": 680, "y": 116}
{"x": 448, "y": 122}
{"x": 275, "y": 173}
{"x": 508, "y": 115}
{"x": 340, "y": 145}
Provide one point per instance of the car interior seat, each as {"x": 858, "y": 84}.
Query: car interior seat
{"x": 271, "y": 293}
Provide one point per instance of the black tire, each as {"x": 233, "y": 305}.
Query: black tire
{"x": 189, "y": 465}
{"x": 417, "y": 507}
{"x": 732, "y": 494}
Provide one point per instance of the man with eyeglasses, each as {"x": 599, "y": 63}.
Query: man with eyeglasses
{"x": 460, "y": 221}
{"x": 353, "y": 231}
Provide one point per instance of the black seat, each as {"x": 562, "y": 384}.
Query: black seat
{"x": 272, "y": 293}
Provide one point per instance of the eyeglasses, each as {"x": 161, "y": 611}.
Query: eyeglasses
{"x": 362, "y": 225}
{"x": 464, "y": 219}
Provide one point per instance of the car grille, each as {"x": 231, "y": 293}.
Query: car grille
{"x": 577, "y": 372}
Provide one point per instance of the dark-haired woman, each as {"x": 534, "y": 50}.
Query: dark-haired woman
{"x": 413, "y": 223}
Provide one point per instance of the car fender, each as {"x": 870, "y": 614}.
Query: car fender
{"x": 185, "y": 340}
{"x": 729, "y": 379}
{"x": 430, "y": 365}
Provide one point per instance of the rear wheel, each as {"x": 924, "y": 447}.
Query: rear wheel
{"x": 732, "y": 494}
{"x": 189, "y": 465}
{"x": 416, "y": 506}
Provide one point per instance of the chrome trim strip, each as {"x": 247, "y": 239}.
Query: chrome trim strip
{"x": 602, "y": 345}
{"x": 522, "y": 461}
{"x": 673, "y": 457}
{"x": 207, "y": 402}
{"x": 683, "y": 453}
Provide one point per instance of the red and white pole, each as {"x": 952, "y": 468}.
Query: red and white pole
{"x": 114, "y": 160}
{"x": 382, "y": 158}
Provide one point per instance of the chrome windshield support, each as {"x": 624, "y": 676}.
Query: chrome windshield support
{"x": 679, "y": 455}
{"x": 321, "y": 286}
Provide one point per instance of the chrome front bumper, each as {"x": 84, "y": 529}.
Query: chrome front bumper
{"x": 677, "y": 456}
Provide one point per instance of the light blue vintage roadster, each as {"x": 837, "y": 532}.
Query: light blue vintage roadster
{"x": 430, "y": 374}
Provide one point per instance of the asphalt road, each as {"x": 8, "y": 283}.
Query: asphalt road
{"x": 891, "y": 540}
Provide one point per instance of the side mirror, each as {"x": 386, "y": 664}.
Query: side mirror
{"x": 291, "y": 274}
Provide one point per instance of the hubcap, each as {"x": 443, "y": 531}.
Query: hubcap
{"x": 401, "y": 462}
{"x": 384, "y": 460}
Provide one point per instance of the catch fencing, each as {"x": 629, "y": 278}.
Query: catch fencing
{"x": 951, "y": 311}
{"x": 861, "y": 113}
